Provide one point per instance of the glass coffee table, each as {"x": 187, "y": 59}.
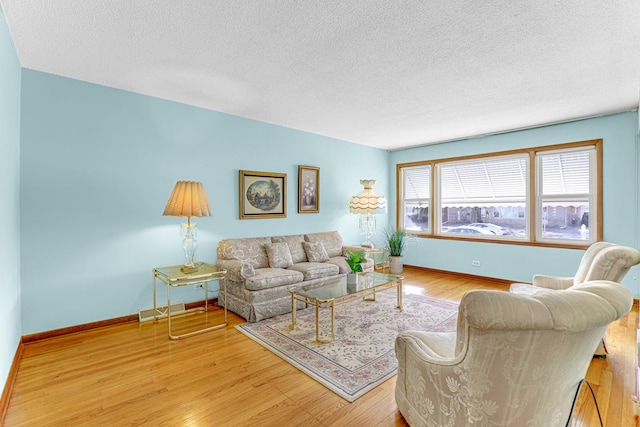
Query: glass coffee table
{"x": 337, "y": 292}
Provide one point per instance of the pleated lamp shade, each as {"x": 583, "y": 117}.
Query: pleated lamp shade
{"x": 188, "y": 199}
{"x": 368, "y": 202}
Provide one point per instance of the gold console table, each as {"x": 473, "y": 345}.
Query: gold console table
{"x": 173, "y": 277}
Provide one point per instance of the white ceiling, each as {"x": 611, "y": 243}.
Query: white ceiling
{"x": 388, "y": 74}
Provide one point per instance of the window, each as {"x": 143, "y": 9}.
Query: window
{"x": 485, "y": 195}
{"x": 544, "y": 195}
{"x": 566, "y": 192}
{"x": 416, "y": 192}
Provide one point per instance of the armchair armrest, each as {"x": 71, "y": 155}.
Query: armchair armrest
{"x": 552, "y": 282}
{"x": 237, "y": 271}
{"x": 430, "y": 347}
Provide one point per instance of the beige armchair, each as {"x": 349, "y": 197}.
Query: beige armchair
{"x": 514, "y": 360}
{"x": 601, "y": 261}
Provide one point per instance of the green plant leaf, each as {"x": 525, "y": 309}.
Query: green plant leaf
{"x": 396, "y": 241}
{"x": 354, "y": 259}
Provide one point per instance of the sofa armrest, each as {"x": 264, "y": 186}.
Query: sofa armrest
{"x": 552, "y": 282}
{"x": 367, "y": 252}
{"x": 237, "y": 271}
{"x": 369, "y": 263}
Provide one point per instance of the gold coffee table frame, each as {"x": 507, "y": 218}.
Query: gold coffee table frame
{"x": 337, "y": 292}
{"x": 173, "y": 277}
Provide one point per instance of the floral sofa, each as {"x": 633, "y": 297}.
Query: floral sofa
{"x": 262, "y": 270}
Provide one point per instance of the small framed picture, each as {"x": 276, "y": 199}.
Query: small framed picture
{"x": 308, "y": 189}
{"x": 263, "y": 195}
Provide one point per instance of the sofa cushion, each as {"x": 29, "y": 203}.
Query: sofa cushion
{"x": 331, "y": 240}
{"x": 266, "y": 278}
{"x": 279, "y": 255}
{"x": 315, "y": 270}
{"x": 249, "y": 250}
{"x": 315, "y": 252}
{"x": 295, "y": 246}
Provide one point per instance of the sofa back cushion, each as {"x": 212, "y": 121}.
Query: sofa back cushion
{"x": 279, "y": 255}
{"x": 331, "y": 240}
{"x": 295, "y": 246}
{"x": 315, "y": 252}
{"x": 249, "y": 250}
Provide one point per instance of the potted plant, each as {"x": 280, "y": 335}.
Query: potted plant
{"x": 395, "y": 244}
{"x": 354, "y": 258}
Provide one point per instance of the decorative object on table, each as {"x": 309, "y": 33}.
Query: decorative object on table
{"x": 362, "y": 356}
{"x": 354, "y": 259}
{"x": 263, "y": 195}
{"x": 188, "y": 199}
{"x": 367, "y": 204}
{"x": 308, "y": 189}
{"x": 395, "y": 243}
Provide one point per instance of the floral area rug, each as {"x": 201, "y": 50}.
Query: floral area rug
{"x": 362, "y": 355}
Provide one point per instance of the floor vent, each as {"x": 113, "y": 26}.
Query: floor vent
{"x": 146, "y": 314}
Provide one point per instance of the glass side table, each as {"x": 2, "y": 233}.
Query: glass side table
{"x": 173, "y": 277}
{"x": 380, "y": 258}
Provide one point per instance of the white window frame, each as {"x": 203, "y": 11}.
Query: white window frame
{"x": 592, "y": 196}
{"x": 427, "y": 200}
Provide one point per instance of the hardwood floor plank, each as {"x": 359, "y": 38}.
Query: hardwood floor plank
{"x": 131, "y": 374}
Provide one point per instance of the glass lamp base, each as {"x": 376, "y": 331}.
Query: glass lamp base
{"x": 189, "y": 232}
{"x": 367, "y": 224}
{"x": 187, "y": 269}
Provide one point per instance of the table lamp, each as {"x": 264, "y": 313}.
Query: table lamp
{"x": 367, "y": 204}
{"x": 188, "y": 199}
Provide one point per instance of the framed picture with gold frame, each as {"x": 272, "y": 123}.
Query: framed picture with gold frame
{"x": 308, "y": 189}
{"x": 263, "y": 195}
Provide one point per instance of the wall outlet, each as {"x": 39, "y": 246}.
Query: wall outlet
{"x": 475, "y": 263}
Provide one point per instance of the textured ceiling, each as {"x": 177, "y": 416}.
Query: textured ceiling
{"x": 387, "y": 74}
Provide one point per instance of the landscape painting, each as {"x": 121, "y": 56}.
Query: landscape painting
{"x": 262, "y": 195}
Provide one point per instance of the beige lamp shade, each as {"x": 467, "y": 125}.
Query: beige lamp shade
{"x": 368, "y": 202}
{"x": 188, "y": 199}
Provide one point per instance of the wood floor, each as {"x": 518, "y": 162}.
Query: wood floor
{"x": 132, "y": 375}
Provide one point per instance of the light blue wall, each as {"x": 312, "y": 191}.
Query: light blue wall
{"x": 10, "y": 331}
{"x": 519, "y": 263}
{"x": 98, "y": 166}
